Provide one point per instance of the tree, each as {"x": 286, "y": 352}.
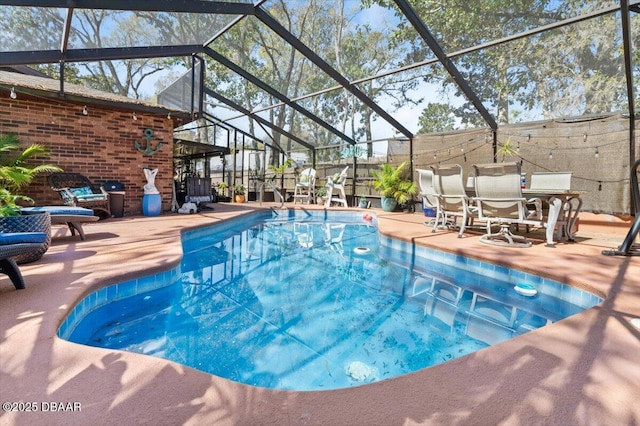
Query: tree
{"x": 91, "y": 29}
{"x": 436, "y": 118}
{"x": 568, "y": 71}
{"x": 354, "y": 50}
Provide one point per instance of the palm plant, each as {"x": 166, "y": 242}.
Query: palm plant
{"x": 15, "y": 174}
{"x": 391, "y": 183}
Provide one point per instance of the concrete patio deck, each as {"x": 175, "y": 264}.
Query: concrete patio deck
{"x": 584, "y": 370}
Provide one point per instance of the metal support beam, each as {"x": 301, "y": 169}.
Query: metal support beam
{"x": 628, "y": 68}
{"x": 99, "y": 54}
{"x": 276, "y": 94}
{"x": 185, "y": 6}
{"x": 328, "y": 69}
{"x": 64, "y": 43}
{"x": 453, "y": 71}
{"x": 259, "y": 119}
{"x": 226, "y": 126}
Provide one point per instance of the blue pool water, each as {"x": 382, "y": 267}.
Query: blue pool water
{"x": 310, "y": 301}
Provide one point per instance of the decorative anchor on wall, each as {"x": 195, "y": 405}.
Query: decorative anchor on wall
{"x": 148, "y": 134}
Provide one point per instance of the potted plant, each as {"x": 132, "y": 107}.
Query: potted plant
{"x": 222, "y": 191}
{"x": 362, "y": 202}
{"x": 15, "y": 174}
{"x": 238, "y": 193}
{"x": 321, "y": 193}
{"x": 278, "y": 175}
{"x": 393, "y": 186}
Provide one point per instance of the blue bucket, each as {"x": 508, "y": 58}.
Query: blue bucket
{"x": 429, "y": 212}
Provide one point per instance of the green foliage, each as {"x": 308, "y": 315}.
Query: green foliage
{"x": 222, "y": 187}
{"x": 321, "y": 191}
{"x": 390, "y": 182}
{"x": 15, "y": 174}
{"x": 567, "y": 72}
{"x": 436, "y": 117}
{"x": 507, "y": 150}
{"x": 238, "y": 189}
{"x": 278, "y": 171}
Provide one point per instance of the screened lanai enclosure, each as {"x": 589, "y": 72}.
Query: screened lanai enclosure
{"x": 331, "y": 83}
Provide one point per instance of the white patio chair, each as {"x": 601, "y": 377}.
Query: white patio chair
{"x": 305, "y": 188}
{"x": 336, "y": 183}
{"x": 452, "y": 198}
{"x": 500, "y": 201}
{"x": 429, "y": 196}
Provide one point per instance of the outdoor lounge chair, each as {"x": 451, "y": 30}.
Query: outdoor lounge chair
{"x": 78, "y": 191}
{"x": 305, "y": 186}
{"x": 500, "y": 201}
{"x": 452, "y": 198}
{"x": 73, "y": 217}
{"x": 429, "y": 196}
{"x": 16, "y": 244}
{"x": 336, "y": 183}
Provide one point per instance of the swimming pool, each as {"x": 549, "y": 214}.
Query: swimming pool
{"x": 319, "y": 300}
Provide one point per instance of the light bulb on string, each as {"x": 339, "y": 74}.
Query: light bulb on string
{"x": 135, "y": 117}
{"x": 551, "y": 155}
{"x": 13, "y": 94}
{"x": 85, "y": 110}
{"x": 597, "y": 154}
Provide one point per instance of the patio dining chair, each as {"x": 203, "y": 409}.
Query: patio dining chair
{"x": 429, "y": 196}
{"x": 500, "y": 201}
{"x": 452, "y": 199}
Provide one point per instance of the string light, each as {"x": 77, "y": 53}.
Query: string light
{"x": 551, "y": 155}
{"x": 85, "y": 110}
{"x": 597, "y": 153}
{"x": 13, "y": 94}
{"x": 135, "y": 117}
{"x": 435, "y": 157}
{"x": 169, "y": 116}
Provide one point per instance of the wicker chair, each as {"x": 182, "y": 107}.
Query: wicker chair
{"x": 77, "y": 190}
{"x": 13, "y": 245}
{"x": 22, "y": 224}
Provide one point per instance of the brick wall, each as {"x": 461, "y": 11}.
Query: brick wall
{"x": 99, "y": 145}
